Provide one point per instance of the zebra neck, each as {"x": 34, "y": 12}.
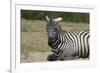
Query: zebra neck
{"x": 54, "y": 43}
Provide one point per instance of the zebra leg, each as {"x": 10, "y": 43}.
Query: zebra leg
{"x": 61, "y": 57}
{"x": 52, "y": 57}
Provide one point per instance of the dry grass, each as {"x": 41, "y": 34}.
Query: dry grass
{"x": 34, "y": 42}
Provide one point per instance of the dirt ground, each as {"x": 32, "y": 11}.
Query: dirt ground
{"x": 42, "y": 57}
{"x": 35, "y": 57}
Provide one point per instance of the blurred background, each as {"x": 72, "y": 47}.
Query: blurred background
{"x": 67, "y": 16}
{"x": 34, "y": 42}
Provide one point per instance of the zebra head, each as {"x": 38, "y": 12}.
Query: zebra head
{"x": 52, "y": 27}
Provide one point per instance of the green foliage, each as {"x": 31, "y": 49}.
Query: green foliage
{"x": 67, "y": 16}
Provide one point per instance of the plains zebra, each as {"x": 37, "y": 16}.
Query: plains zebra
{"x": 66, "y": 44}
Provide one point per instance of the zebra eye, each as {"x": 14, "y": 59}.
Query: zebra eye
{"x": 55, "y": 28}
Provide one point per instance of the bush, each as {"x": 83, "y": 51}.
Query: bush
{"x": 67, "y": 16}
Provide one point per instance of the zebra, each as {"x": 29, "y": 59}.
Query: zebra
{"x": 64, "y": 43}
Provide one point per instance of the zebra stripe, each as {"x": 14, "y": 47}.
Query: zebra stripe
{"x": 66, "y": 44}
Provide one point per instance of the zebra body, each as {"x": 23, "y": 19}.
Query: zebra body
{"x": 66, "y": 44}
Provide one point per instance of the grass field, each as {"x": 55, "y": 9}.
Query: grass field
{"x": 34, "y": 42}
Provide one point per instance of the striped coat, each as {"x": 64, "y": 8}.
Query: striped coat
{"x": 66, "y": 44}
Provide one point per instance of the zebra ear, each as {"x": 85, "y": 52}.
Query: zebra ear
{"x": 57, "y": 19}
{"x": 47, "y": 18}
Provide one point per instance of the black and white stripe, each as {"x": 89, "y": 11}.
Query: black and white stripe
{"x": 66, "y": 44}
